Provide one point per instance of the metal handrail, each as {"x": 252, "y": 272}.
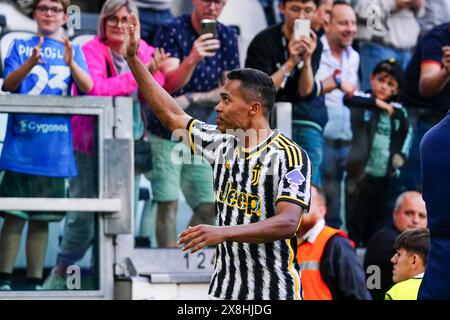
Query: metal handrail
{"x": 61, "y": 204}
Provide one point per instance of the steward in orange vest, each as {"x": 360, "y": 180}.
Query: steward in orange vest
{"x": 327, "y": 258}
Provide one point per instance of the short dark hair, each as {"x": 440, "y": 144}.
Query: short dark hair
{"x": 316, "y": 2}
{"x": 255, "y": 86}
{"x": 391, "y": 67}
{"x": 65, "y": 4}
{"x": 415, "y": 241}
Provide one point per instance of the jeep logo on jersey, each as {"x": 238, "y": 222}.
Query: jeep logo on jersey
{"x": 248, "y": 203}
{"x": 295, "y": 177}
{"x": 33, "y": 126}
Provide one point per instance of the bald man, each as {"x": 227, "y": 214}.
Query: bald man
{"x": 409, "y": 213}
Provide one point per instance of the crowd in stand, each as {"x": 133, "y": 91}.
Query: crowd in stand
{"x": 367, "y": 83}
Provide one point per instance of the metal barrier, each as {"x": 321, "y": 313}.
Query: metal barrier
{"x": 283, "y": 118}
{"x": 116, "y": 180}
{"x": 125, "y": 272}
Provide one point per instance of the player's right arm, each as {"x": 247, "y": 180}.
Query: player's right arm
{"x": 161, "y": 102}
{"x": 15, "y": 78}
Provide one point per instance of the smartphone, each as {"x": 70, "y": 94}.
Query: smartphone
{"x": 209, "y": 26}
{"x": 302, "y": 27}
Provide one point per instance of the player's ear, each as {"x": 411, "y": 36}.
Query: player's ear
{"x": 255, "y": 108}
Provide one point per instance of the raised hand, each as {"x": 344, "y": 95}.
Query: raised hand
{"x": 36, "y": 56}
{"x": 68, "y": 51}
{"x": 204, "y": 46}
{"x": 309, "y": 45}
{"x": 132, "y": 31}
{"x": 159, "y": 57}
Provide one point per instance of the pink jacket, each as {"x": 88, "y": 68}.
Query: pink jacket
{"x": 99, "y": 60}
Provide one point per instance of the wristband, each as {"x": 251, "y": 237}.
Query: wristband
{"x": 338, "y": 81}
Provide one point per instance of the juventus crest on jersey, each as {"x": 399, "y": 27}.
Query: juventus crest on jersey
{"x": 248, "y": 184}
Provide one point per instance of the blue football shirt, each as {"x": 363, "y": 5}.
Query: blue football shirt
{"x": 41, "y": 144}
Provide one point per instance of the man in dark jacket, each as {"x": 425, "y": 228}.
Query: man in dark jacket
{"x": 426, "y": 94}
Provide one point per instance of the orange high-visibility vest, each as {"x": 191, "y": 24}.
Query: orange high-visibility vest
{"x": 309, "y": 256}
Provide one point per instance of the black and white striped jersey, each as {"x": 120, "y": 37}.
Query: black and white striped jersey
{"x": 248, "y": 183}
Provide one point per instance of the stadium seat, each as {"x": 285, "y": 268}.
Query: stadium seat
{"x": 2, "y": 23}
{"x": 88, "y": 23}
{"x": 249, "y": 17}
{"x": 1, "y": 84}
{"x": 81, "y": 39}
{"x": 7, "y": 39}
{"x": 15, "y": 20}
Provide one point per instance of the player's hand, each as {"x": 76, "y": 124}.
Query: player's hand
{"x": 383, "y": 105}
{"x": 309, "y": 45}
{"x": 446, "y": 58}
{"x": 204, "y": 46}
{"x": 68, "y": 51}
{"x": 158, "y": 59}
{"x": 132, "y": 31}
{"x": 198, "y": 237}
{"x": 36, "y": 56}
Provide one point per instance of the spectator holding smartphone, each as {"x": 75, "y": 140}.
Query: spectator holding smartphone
{"x": 197, "y": 62}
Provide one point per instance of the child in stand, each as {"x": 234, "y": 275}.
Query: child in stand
{"x": 381, "y": 141}
{"x": 38, "y": 153}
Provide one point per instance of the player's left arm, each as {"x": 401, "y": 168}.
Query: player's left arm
{"x": 283, "y": 225}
